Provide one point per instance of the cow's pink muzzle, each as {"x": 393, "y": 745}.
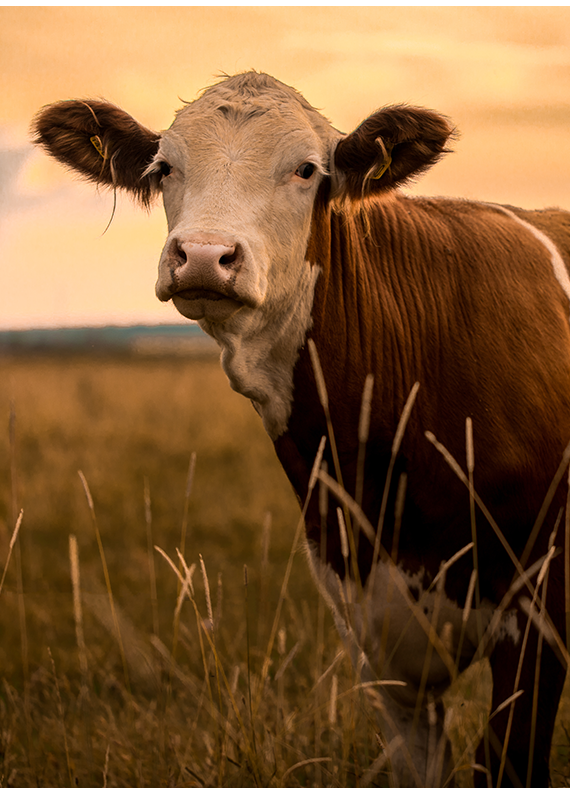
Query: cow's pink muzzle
{"x": 199, "y": 272}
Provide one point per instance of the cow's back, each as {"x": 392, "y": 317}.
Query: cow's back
{"x": 554, "y": 223}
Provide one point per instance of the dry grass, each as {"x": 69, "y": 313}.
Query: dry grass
{"x": 119, "y": 710}
{"x": 109, "y": 677}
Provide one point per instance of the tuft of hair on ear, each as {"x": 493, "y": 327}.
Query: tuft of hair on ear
{"x": 389, "y": 148}
{"x": 101, "y": 142}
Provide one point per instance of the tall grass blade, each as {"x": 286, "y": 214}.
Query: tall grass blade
{"x": 333, "y": 700}
{"x": 296, "y": 538}
{"x": 541, "y": 576}
{"x": 288, "y": 659}
{"x": 470, "y": 460}
{"x": 207, "y": 592}
{"x": 363, "y": 430}
{"x": 150, "y": 557}
{"x": 264, "y": 578}
{"x": 185, "y": 589}
{"x": 302, "y": 764}
{"x": 506, "y": 703}
{"x": 546, "y": 505}
{"x": 62, "y": 720}
{"x": 348, "y": 503}
{"x": 454, "y": 465}
{"x": 77, "y": 608}
{"x": 567, "y": 565}
{"x": 11, "y": 547}
{"x": 106, "y": 766}
{"x": 396, "y": 444}
{"x": 187, "y": 494}
{"x": 341, "y": 653}
{"x": 248, "y": 649}
{"x": 323, "y": 396}
{"x": 107, "y": 580}
{"x": 24, "y": 646}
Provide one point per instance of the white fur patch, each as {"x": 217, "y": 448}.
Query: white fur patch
{"x": 260, "y": 349}
{"x": 509, "y": 627}
{"x": 558, "y": 266}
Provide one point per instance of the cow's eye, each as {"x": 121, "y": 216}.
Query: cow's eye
{"x": 165, "y": 169}
{"x": 305, "y": 170}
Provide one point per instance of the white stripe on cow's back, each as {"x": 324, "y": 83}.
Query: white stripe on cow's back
{"x": 558, "y": 266}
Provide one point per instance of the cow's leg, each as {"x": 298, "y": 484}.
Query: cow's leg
{"x": 504, "y": 663}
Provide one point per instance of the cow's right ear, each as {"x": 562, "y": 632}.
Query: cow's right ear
{"x": 101, "y": 142}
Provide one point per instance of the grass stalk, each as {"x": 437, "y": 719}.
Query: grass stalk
{"x": 363, "y": 430}
{"x": 567, "y": 565}
{"x": 107, "y": 581}
{"x": 296, "y": 538}
{"x": 13, "y": 538}
{"x": 324, "y": 399}
{"x": 541, "y": 576}
{"x": 536, "y": 685}
{"x": 150, "y": 557}
{"x": 220, "y": 732}
{"x": 77, "y": 608}
{"x": 399, "y": 510}
{"x": 555, "y": 483}
{"x": 185, "y": 588}
{"x": 187, "y": 494}
{"x": 15, "y": 543}
{"x": 62, "y": 720}
{"x": 454, "y": 465}
{"x": 264, "y": 578}
{"x": 248, "y": 654}
{"x": 397, "y": 442}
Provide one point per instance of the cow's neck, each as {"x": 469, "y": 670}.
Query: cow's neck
{"x": 358, "y": 328}
{"x": 259, "y": 352}
{"x": 359, "y": 322}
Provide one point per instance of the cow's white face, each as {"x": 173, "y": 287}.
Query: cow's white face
{"x": 238, "y": 186}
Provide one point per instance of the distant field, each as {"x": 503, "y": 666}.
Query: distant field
{"x": 186, "y": 338}
{"x": 153, "y": 698}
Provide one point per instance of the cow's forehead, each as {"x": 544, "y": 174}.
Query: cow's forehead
{"x": 254, "y": 100}
{"x": 250, "y": 88}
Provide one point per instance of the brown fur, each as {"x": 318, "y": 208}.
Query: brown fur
{"x": 461, "y": 298}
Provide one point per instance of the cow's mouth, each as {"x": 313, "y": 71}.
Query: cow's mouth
{"x": 191, "y": 295}
{"x": 197, "y": 304}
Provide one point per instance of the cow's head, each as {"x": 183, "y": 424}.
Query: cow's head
{"x": 239, "y": 170}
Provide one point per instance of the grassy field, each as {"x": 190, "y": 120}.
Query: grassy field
{"x": 129, "y": 687}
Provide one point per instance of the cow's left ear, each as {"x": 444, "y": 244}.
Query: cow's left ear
{"x": 100, "y": 141}
{"x": 387, "y": 149}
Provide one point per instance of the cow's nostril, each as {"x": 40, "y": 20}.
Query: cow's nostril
{"x": 228, "y": 259}
{"x": 180, "y": 256}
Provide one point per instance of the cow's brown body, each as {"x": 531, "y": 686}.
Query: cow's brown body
{"x": 280, "y": 234}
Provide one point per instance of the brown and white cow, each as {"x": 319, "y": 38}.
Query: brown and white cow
{"x": 283, "y": 232}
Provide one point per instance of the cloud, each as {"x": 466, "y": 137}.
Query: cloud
{"x": 440, "y": 68}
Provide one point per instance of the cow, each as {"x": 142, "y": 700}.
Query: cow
{"x": 426, "y": 340}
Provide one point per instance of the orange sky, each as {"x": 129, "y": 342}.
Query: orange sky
{"x": 502, "y": 74}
